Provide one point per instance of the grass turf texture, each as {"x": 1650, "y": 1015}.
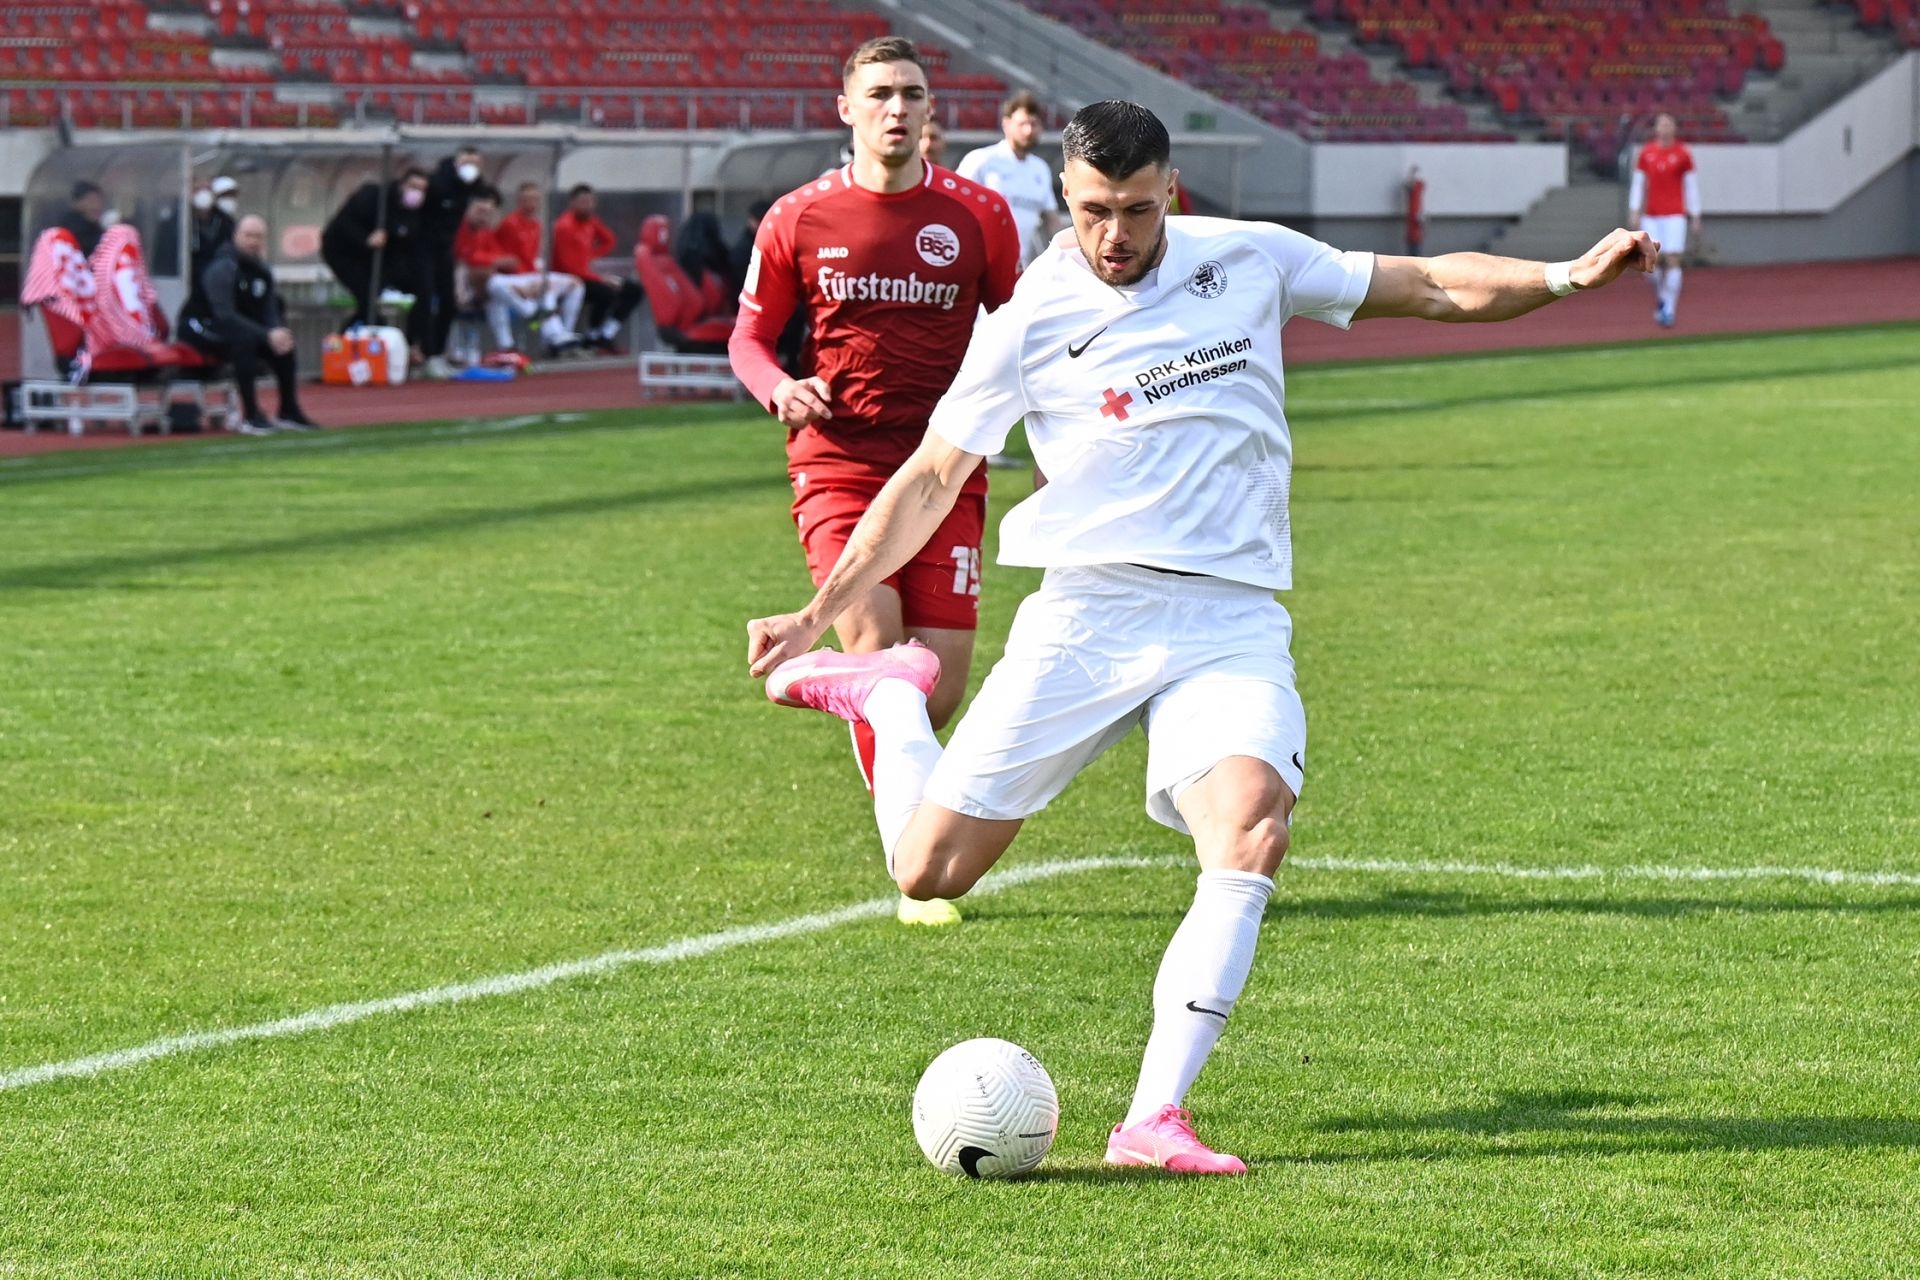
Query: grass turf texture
{"x": 301, "y": 721}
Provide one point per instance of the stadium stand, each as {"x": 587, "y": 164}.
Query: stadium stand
{"x": 633, "y": 63}
{"x": 1589, "y": 71}
{"x": 1899, "y": 18}
{"x": 1577, "y": 68}
{"x": 1237, "y": 54}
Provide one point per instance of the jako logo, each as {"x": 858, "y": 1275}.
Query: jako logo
{"x": 937, "y": 244}
{"x": 832, "y": 251}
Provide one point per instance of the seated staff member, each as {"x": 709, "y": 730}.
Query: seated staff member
{"x": 235, "y": 315}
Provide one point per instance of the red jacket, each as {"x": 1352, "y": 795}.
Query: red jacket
{"x": 577, "y": 242}
{"x": 480, "y": 247}
{"x": 519, "y": 235}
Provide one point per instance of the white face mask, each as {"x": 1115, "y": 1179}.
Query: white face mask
{"x": 229, "y": 205}
{"x": 468, "y": 172}
{"x": 203, "y": 200}
{"x": 111, "y": 218}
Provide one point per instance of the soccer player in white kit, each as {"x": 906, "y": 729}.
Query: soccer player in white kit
{"x": 1144, "y": 353}
{"x": 1011, "y": 167}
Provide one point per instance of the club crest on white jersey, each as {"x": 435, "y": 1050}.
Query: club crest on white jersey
{"x": 1209, "y": 280}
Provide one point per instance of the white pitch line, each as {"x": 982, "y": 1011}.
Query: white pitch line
{"x": 744, "y": 935}
{"x": 337, "y": 1015}
{"x": 1506, "y": 870}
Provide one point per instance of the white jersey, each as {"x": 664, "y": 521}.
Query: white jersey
{"x": 1026, "y": 185}
{"x": 1157, "y": 414}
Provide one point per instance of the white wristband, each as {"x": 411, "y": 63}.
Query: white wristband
{"x": 1560, "y": 279}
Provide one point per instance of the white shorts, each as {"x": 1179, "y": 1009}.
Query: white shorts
{"x": 1201, "y": 663}
{"x": 1670, "y": 229}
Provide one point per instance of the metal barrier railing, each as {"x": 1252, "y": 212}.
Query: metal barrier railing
{"x": 126, "y": 104}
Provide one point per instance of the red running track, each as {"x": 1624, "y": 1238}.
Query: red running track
{"x": 1714, "y": 300}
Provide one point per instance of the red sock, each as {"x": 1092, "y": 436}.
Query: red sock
{"x": 863, "y": 751}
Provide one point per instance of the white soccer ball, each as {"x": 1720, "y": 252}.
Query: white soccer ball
{"x": 985, "y": 1109}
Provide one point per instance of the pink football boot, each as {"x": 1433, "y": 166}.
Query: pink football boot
{"x": 838, "y": 683}
{"x": 1165, "y": 1140}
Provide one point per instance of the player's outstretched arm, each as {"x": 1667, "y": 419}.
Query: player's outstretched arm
{"x": 1480, "y": 287}
{"x": 904, "y": 515}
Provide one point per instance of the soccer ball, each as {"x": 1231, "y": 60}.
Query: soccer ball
{"x": 985, "y": 1109}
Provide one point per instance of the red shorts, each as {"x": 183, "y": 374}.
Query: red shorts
{"x": 939, "y": 587}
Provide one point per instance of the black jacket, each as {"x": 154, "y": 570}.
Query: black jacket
{"x": 84, "y": 229}
{"x": 233, "y": 301}
{"x": 204, "y": 238}
{"x": 447, "y": 199}
{"x": 347, "y": 231}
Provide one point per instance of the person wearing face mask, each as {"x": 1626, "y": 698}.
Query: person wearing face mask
{"x": 367, "y": 225}
{"x": 215, "y": 206}
{"x": 453, "y": 185}
{"x": 235, "y": 315}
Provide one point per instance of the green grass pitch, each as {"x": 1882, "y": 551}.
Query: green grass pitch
{"x": 300, "y": 722}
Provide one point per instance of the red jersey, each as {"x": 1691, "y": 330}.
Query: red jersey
{"x": 577, "y": 242}
{"x": 519, "y": 235}
{"x": 1666, "y": 169}
{"x": 480, "y": 247}
{"x": 893, "y": 284}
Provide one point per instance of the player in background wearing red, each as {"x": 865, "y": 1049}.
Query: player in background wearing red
{"x": 1665, "y": 203}
{"x": 893, "y": 258}
{"x": 579, "y": 238}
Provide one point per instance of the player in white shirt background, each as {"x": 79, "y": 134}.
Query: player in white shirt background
{"x": 1012, "y": 167}
{"x": 1144, "y": 354}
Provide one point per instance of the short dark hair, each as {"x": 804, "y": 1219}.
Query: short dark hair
{"x": 881, "y": 49}
{"x": 415, "y": 171}
{"x": 1022, "y": 100}
{"x": 82, "y": 189}
{"x": 526, "y": 186}
{"x": 579, "y": 189}
{"x": 484, "y": 191}
{"x": 1117, "y": 138}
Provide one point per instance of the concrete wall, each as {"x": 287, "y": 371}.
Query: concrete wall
{"x": 21, "y": 151}
{"x": 1880, "y": 221}
{"x": 1388, "y": 235}
{"x": 1821, "y": 165}
{"x": 1367, "y": 180}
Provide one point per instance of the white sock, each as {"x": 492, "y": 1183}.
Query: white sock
{"x": 609, "y": 329}
{"x": 1200, "y": 978}
{"x": 555, "y": 333}
{"x": 502, "y": 331}
{"x": 1670, "y": 290}
{"x": 904, "y": 754}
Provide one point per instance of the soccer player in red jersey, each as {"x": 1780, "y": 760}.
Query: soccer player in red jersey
{"x": 1665, "y": 203}
{"x": 519, "y": 232}
{"x": 893, "y": 259}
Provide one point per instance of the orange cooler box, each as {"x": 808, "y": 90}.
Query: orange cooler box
{"x": 364, "y": 357}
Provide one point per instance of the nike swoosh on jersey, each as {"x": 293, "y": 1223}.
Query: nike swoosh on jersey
{"x": 1073, "y": 352}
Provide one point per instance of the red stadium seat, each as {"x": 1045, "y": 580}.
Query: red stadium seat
{"x": 681, "y": 310}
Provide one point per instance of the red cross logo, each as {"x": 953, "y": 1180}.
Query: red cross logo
{"x": 1116, "y": 406}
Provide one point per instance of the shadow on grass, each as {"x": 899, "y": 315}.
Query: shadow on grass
{"x": 1564, "y": 1122}
{"x": 92, "y": 571}
{"x": 1301, "y": 410}
{"x": 1458, "y": 905}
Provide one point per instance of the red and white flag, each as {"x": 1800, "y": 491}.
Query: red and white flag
{"x": 59, "y": 277}
{"x": 126, "y": 310}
